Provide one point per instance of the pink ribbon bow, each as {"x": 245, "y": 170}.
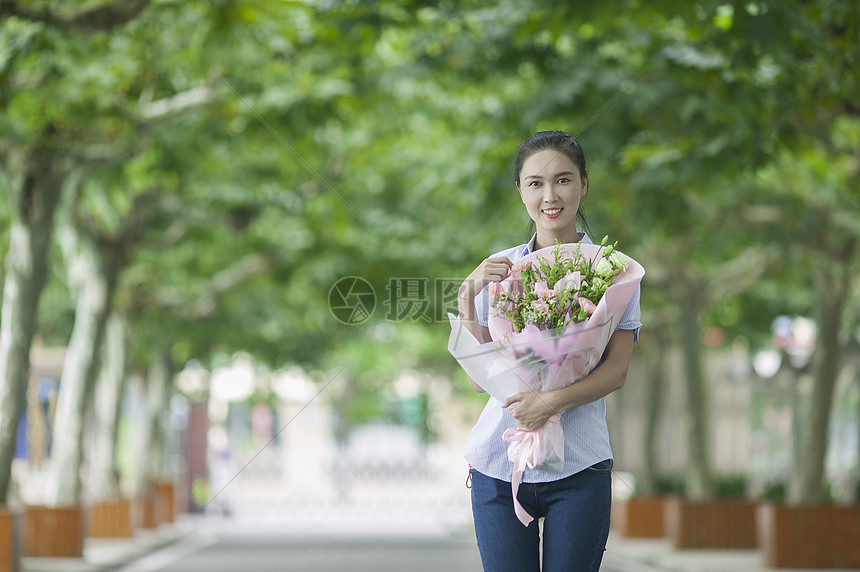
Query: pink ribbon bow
{"x": 528, "y": 456}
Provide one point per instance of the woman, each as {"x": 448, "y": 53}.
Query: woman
{"x": 551, "y": 178}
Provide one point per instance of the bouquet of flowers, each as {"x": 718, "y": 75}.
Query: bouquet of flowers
{"x": 550, "y": 321}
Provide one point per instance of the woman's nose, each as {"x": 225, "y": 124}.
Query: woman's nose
{"x": 549, "y": 192}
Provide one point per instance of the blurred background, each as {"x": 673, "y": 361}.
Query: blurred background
{"x": 232, "y": 232}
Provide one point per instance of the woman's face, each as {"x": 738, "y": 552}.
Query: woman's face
{"x": 551, "y": 187}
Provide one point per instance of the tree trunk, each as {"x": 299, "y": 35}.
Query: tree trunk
{"x": 698, "y": 474}
{"x": 656, "y": 360}
{"x": 161, "y": 378}
{"x": 35, "y": 191}
{"x": 159, "y": 387}
{"x": 857, "y": 467}
{"x": 831, "y": 292}
{"x": 104, "y": 484}
{"x": 37, "y": 428}
{"x": 92, "y": 278}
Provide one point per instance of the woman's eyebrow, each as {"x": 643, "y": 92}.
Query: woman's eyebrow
{"x": 539, "y": 176}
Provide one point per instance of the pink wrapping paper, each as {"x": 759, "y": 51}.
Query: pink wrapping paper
{"x": 541, "y": 360}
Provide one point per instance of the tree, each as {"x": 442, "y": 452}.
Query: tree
{"x": 109, "y": 391}
{"x": 59, "y": 125}
{"x": 786, "y": 64}
{"x": 35, "y": 186}
{"x": 94, "y": 259}
{"x": 814, "y": 193}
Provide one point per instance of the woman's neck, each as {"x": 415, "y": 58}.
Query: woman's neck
{"x": 543, "y": 240}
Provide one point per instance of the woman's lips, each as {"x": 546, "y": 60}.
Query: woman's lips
{"x": 552, "y": 213}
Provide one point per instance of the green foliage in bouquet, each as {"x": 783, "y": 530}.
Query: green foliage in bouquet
{"x": 558, "y": 293}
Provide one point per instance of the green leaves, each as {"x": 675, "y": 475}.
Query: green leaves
{"x": 377, "y": 140}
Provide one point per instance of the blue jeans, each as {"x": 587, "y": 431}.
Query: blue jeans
{"x": 576, "y": 522}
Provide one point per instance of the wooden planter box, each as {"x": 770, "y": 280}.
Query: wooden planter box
{"x": 10, "y": 540}
{"x": 165, "y": 502}
{"x": 144, "y": 515}
{"x": 56, "y": 532}
{"x": 810, "y": 536}
{"x": 725, "y": 523}
{"x": 110, "y": 519}
{"x": 639, "y": 517}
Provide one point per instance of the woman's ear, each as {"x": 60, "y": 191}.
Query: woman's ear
{"x": 584, "y": 184}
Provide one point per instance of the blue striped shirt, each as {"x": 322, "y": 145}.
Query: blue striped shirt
{"x": 586, "y": 436}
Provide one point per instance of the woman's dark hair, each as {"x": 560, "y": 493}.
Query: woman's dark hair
{"x": 556, "y": 141}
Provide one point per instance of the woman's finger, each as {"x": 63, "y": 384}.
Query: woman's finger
{"x": 502, "y": 259}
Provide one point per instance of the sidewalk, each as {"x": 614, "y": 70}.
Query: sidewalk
{"x": 191, "y": 534}
{"x": 647, "y": 555}
{"x": 109, "y": 554}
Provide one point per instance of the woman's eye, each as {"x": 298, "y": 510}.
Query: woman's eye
{"x": 534, "y": 184}
{"x": 563, "y": 180}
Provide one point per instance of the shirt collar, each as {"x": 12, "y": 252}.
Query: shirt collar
{"x": 530, "y": 245}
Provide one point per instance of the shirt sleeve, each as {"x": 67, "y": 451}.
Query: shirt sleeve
{"x": 630, "y": 319}
{"x": 482, "y": 306}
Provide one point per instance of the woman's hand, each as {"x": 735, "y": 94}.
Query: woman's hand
{"x": 493, "y": 269}
{"x": 531, "y": 409}
{"x": 490, "y": 270}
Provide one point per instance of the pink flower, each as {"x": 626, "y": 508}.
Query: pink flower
{"x": 546, "y": 293}
{"x": 543, "y": 291}
{"x": 569, "y": 281}
{"x": 495, "y": 291}
{"x": 540, "y": 306}
{"x": 522, "y": 265}
{"x": 587, "y": 305}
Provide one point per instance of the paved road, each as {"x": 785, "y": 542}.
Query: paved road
{"x": 246, "y": 553}
{"x": 207, "y": 552}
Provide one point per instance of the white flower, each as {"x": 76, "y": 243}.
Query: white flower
{"x": 619, "y": 260}
{"x": 603, "y": 268}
